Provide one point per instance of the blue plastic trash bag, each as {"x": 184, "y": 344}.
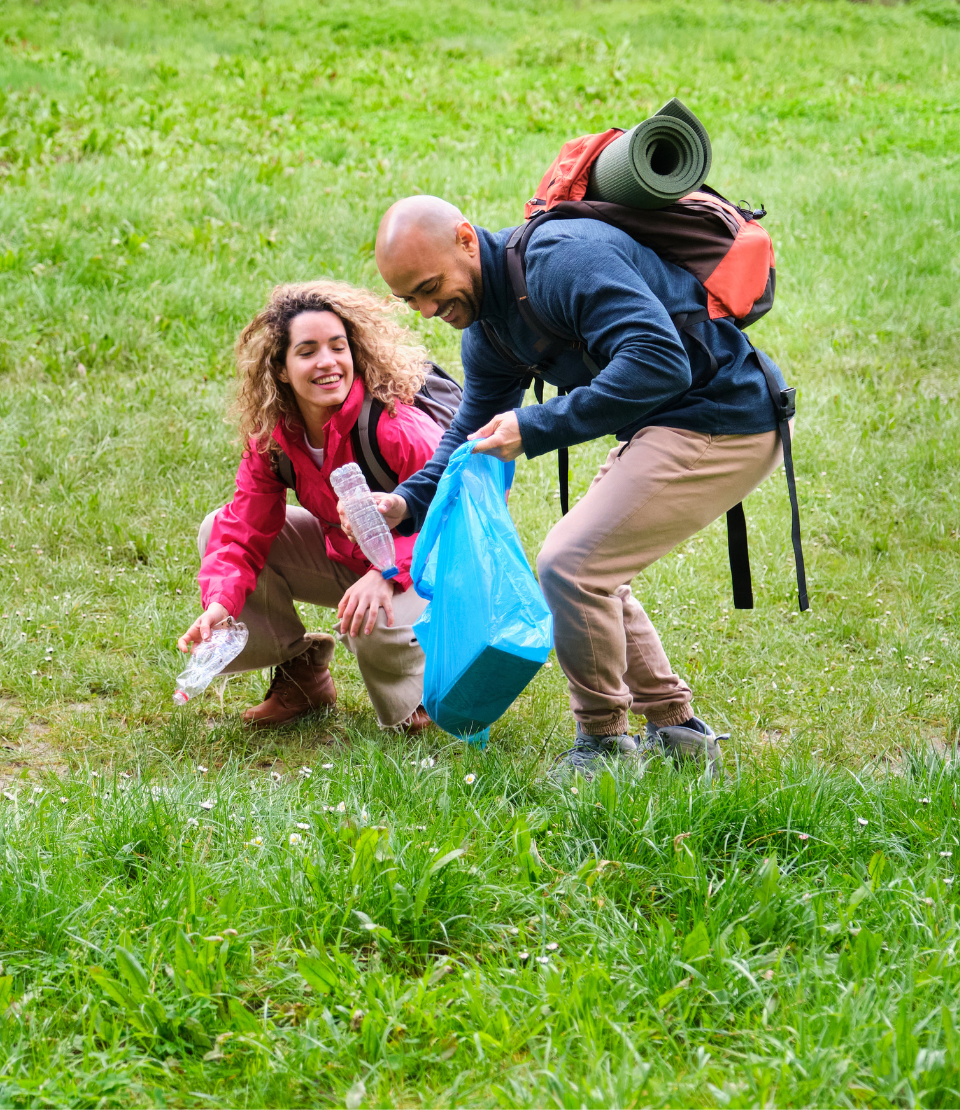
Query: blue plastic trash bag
{"x": 487, "y": 629}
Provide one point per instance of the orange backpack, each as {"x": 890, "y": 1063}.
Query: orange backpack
{"x": 721, "y": 244}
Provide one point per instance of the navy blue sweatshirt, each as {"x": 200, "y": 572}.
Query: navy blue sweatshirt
{"x": 591, "y": 282}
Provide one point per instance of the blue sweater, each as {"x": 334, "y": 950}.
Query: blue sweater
{"x": 592, "y": 282}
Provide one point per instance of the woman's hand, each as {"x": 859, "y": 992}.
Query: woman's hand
{"x": 368, "y": 595}
{"x": 392, "y": 505}
{"x": 200, "y": 629}
{"x": 500, "y": 437}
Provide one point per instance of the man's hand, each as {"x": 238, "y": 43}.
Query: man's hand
{"x": 500, "y": 437}
{"x": 200, "y": 629}
{"x": 366, "y": 597}
{"x": 392, "y": 505}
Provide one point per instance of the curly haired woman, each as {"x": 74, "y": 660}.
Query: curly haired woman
{"x": 305, "y": 363}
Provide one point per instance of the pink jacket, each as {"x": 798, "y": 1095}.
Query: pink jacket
{"x": 244, "y": 530}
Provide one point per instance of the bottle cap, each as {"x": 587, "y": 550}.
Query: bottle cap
{"x": 390, "y": 572}
{"x": 180, "y": 697}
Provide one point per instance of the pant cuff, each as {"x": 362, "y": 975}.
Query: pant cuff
{"x": 617, "y": 726}
{"x": 670, "y": 715}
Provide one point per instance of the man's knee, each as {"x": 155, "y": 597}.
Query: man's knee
{"x": 203, "y": 536}
{"x": 554, "y": 568}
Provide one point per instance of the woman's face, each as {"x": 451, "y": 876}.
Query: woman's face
{"x": 319, "y": 365}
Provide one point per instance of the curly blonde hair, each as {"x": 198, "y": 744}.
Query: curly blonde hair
{"x": 386, "y": 356}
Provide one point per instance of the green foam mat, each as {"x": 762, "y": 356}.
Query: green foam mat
{"x": 656, "y": 162}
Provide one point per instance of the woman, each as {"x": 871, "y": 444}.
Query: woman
{"x": 305, "y": 363}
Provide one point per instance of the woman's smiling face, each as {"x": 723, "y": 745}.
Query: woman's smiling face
{"x": 319, "y": 364}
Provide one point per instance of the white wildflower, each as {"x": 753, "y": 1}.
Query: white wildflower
{"x": 574, "y": 790}
{"x": 303, "y": 826}
{"x": 201, "y": 769}
{"x": 342, "y": 807}
{"x": 192, "y": 821}
{"x": 863, "y": 821}
{"x": 207, "y": 805}
{"x": 257, "y": 842}
{"x": 305, "y": 772}
{"x": 64, "y": 800}
{"x": 276, "y": 776}
{"x": 295, "y": 839}
{"x": 523, "y": 955}
{"x": 543, "y": 959}
{"x": 327, "y": 766}
{"x": 469, "y": 779}
{"x": 428, "y": 762}
{"x": 946, "y": 855}
{"x": 216, "y": 939}
{"x": 552, "y": 946}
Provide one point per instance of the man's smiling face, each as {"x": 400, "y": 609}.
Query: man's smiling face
{"x": 439, "y": 276}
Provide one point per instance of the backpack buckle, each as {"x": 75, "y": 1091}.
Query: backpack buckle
{"x": 788, "y": 403}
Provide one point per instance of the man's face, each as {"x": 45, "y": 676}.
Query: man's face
{"x": 439, "y": 279}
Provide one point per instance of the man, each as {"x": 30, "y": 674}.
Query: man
{"x": 692, "y": 445}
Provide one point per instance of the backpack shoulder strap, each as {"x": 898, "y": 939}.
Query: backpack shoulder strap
{"x": 549, "y": 343}
{"x": 784, "y": 402}
{"x": 283, "y": 468}
{"x": 366, "y": 448}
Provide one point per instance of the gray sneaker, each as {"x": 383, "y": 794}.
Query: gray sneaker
{"x": 590, "y": 753}
{"x": 681, "y": 744}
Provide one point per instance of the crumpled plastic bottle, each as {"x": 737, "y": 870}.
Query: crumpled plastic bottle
{"x": 227, "y": 640}
{"x": 366, "y": 520}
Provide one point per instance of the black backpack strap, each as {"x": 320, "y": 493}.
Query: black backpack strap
{"x": 366, "y": 449}
{"x": 563, "y": 471}
{"x": 283, "y": 468}
{"x": 738, "y": 551}
{"x": 784, "y": 402}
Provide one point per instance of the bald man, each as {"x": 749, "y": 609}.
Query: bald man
{"x": 696, "y": 434}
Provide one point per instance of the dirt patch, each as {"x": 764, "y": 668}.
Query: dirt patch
{"x": 30, "y": 755}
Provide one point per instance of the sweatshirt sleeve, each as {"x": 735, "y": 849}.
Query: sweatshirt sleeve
{"x": 407, "y": 440}
{"x": 587, "y": 287}
{"x": 491, "y": 386}
{"x": 242, "y": 533}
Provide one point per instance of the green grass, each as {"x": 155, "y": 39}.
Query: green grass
{"x": 161, "y": 166}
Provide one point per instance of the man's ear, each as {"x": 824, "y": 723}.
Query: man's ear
{"x": 467, "y": 238}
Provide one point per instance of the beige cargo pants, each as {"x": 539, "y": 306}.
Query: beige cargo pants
{"x": 298, "y": 568}
{"x": 648, "y": 497}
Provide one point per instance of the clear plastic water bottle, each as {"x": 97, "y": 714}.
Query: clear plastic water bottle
{"x": 366, "y": 520}
{"x": 227, "y": 640}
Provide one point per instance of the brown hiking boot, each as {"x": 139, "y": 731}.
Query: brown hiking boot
{"x": 299, "y": 686}
{"x": 418, "y": 720}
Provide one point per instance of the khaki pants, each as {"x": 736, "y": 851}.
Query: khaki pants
{"x": 299, "y": 569}
{"x": 654, "y": 493}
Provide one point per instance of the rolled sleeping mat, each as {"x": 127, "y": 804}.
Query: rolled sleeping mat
{"x": 655, "y": 163}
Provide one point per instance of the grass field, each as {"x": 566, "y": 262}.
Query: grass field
{"x": 375, "y": 930}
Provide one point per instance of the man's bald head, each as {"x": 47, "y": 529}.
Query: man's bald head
{"x": 429, "y": 255}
